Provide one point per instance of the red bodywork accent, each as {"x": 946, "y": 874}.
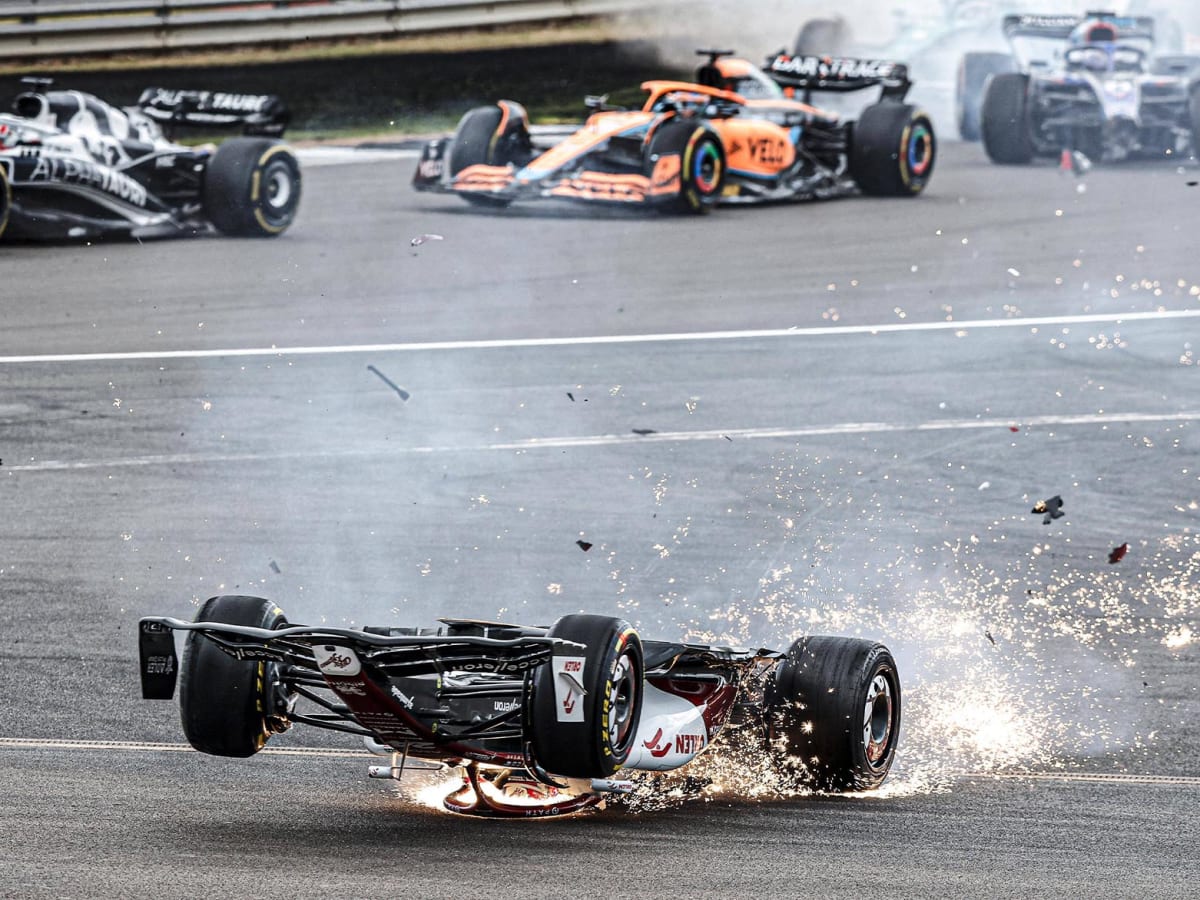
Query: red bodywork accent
{"x": 716, "y": 696}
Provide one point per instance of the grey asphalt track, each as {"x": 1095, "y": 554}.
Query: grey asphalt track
{"x": 830, "y": 417}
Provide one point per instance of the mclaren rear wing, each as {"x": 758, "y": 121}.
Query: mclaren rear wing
{"x": 831, "y": 73}
{"x": 1061, "y": 26}
{"x": 402, "y": 654}
{"x": 263, "y": 114}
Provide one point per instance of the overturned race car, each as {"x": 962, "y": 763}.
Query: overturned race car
{"x": 736, "y": 134}
{"x": 538, "y": 721}
{"x": 75, "y": 167}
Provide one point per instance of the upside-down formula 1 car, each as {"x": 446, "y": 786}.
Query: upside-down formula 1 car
{"x": 1090, "y": 84}
{"x": 737, "y": 134}
{"x": 74, "y": 167}
{"x": 538, "y": 721}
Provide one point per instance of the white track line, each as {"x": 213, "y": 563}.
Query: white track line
{"x": 821, "y": 331}
{"x": 607, "y": 440}
{"x": 149, "y": 747}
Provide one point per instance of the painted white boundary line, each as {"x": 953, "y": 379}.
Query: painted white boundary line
{"x": 606, "y": 440}
{"x": 821, "y": 331}
{"x": 149, "y": 747}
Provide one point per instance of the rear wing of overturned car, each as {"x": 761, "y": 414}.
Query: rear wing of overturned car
{"x": 840, "y": 74}
{"x": 255, "y": 114}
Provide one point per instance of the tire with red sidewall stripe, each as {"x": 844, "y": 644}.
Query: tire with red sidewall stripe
{"x": 596, "y": 743}
{"x": 892, "y": 150}
{"x": 225, "y": 702}
{"x": 701, "y": 164}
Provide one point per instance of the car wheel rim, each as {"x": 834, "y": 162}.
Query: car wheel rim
{"x": 278, "y": 192}
{"x": 706, "y": 169}
{"x": 877, "y": 719}
{"x": 622, "y": 701}
{"x": 920, "y": 149}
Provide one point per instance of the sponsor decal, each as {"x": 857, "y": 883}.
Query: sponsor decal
{"x": 430, "y": 168}
{"x": 503, "y": 706}
{"x": 209, "y": 100}
{"x": 102, "y": 178}
{"x": 1036, "y": 21}
{"x": 351, "y": 687}
{"x": 657, "y": 746}
{"x": 689, "y": 744}
{"x": 568, "y": 688}
{"x": 404, "y": 700}
{"x": 160, "y": 665}
{"x": 767, "y": 150}
{"x": 336, "y": 660}
{"x": 827, "y": 68}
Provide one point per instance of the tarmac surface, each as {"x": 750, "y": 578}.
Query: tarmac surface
{"x": 829, "y": 417}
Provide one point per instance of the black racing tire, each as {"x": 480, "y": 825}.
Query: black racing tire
{"x": 701, "y": 165}
{"x": 5, "y": 200}
{"x": 613, "y": 674}
{"x": 490, "y": 135}
{"x": 822, "y": 37}
{"x": 224, "y": 702}
{"x": 974, "y": 70}
{"x": 833, "y": 713}
{"x": 1004, "y": 122}
{"x": 475, "y": 138}
{"x": 252, "y": 187}
{"x": 892, "y": 150}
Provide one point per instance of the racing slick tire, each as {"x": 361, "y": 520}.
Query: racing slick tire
{"x": 493, "y": 136}
{"x": 974, "y": 70}
{"x": 225, "y": 702}
{"x": 5, "y": 201}
{"x": 892, "y": 150}
{"x": 833, "y": 713}
{"x": 701, "y": 166}
{"x": 252, "y": 187}
{"x": 588, "y": 736}
{"x": 1004, "y": 120}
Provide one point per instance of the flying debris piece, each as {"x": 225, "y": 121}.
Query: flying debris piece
{"x": 1193, "y": 183}
{"x": 584, "y": 546}
{"x": 570, "y": 396}
{"x": 1013, "y": 428}
{"x": 1049, "y": 509}
{"x": 1076, "y": 162}
{"x": 644, "y": 431}
{"x": 422, "y": 238}
{"x": 1117, "y": 554}
{"x": 275, "y": 567}
{"x": 404, "y": 395}
{"x": 988, "y": 635}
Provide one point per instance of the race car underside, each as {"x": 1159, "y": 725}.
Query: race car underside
{"x": 461, "y": 696}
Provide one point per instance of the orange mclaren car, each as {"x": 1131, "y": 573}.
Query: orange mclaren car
{"x": 739, "y": 133}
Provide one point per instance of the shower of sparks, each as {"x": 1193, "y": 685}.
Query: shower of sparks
{"x": 1038, "y": 663}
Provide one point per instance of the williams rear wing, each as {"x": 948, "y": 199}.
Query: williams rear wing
{"x": 831, "y": 73}
{"x": 1060, "y": 26}
{"x": 262, "y": 114}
